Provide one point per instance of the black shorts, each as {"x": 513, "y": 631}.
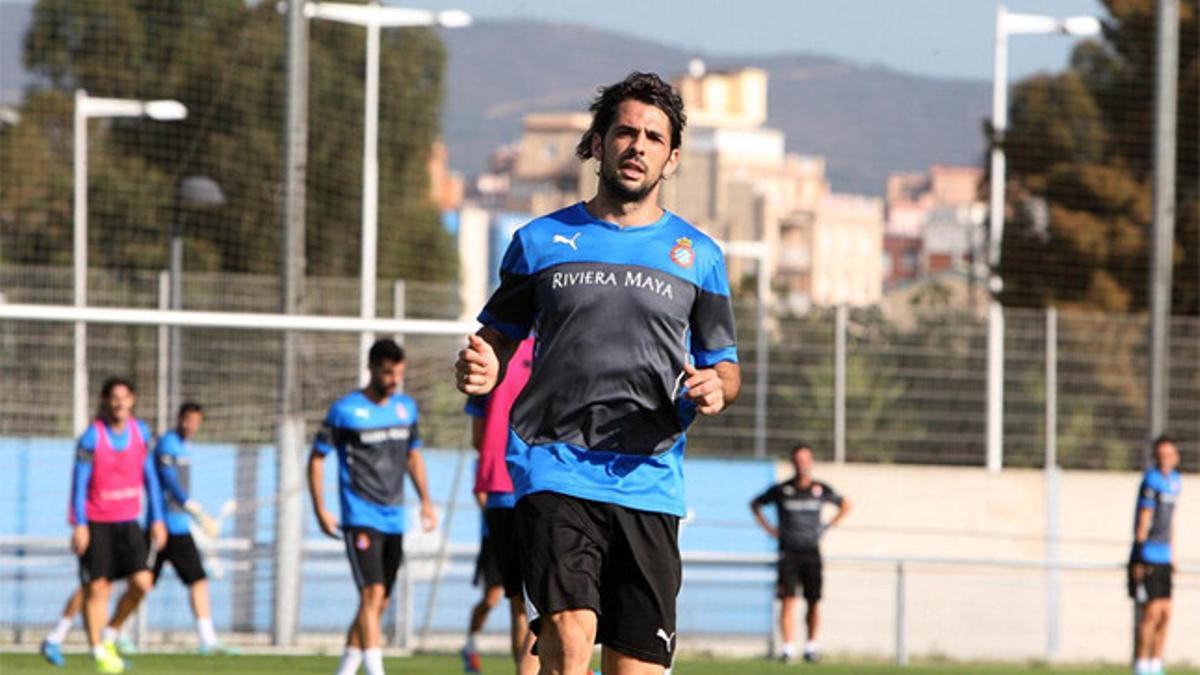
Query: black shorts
{"x": 799, "y": 569}
{"x": 621, "y": 563}
{"x": 115, "y": 551}
{"x": 183, "y": 555}
{"x": 499, "y": 562}
{"x": 375, "y": 557}
{"x": 1155, "y": 583}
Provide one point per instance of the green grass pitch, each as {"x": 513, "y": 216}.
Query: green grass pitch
{"x": 19, "y": 664}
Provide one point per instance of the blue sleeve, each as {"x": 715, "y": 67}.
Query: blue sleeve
{"x": 1147, "y": 495}
{"x": 511, "y": 309}
{"x": 713, "y": 333}
{"x": 82, "y": 475}
{"x": 326, "y": 437}
{"x": 154, "y": 493}
{"x": 79, "y": 489}
{"x": 165, "y": 455}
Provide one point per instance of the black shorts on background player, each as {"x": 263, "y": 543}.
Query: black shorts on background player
{"x": 799, "y": 570}
{"x": 115, "y": 551}
{"x": 621, "y": 563}
{"x": 1155, "y": 584}
{"x": 499, "y": 562}
{"x": 375, "y": 557}
{"x": 183, "y": 555}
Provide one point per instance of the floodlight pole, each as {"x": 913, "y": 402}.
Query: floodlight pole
{"x": 1006, "y": 24}
{"x": 87, "y": 107}
{"x": 373, "y": 17}
{"x": 1164, "y": 215}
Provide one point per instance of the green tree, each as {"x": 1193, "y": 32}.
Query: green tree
{"x": 225, "y": 60}
{"x": 1080, "y": 152}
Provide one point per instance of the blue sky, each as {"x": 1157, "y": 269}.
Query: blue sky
{"x": 941, "y": 38}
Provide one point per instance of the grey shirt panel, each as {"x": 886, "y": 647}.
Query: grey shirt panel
{"x": 376, "y": 459}
{"x": 612, "y": 344}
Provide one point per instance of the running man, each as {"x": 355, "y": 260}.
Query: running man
{"x": 113, "y": 465}
{"x": 499, "y": 565}
{"x": 798, "y": 503}
{"x": 172, "y": 456}
{"x": 635, "y": 336}
{"x": 374, "y": 431}
{"x": 1151, "y": 564}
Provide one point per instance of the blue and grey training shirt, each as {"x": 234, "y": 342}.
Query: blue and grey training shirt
{"x": 618, "y": 312}
{"x": 372, "y": 441}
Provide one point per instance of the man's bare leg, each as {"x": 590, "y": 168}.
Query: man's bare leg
{"x": 565, "y": 642}
{"x": 521, "y": 640}
{"x": 787, "y": 626}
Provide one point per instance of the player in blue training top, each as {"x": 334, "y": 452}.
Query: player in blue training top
{"x": 172, "y": 456}
{"x": 1151, "y": 563}
{"x": 635, "y": 336}
{"x": 374, "y": 431}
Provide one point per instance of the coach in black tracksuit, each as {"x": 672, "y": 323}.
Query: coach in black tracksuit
{"x": 798, "y": 503}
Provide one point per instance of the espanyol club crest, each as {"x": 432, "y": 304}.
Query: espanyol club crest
{"x": 682, "y": 253}
{"x": 817, "y": 490}
{"x": 401, "y": 412}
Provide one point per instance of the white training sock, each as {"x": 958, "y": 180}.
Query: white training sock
{"x": 351, "y": 660}
{"x": 208, "y": 636}
{"x": 1156, "y": 665}
{"x": 470, "y": 646}
{"x": 1142, "y": 667}
{"x": 373, "y": 660}
{"x": 99, "y": 652}
{"x": 60, "y": 631}
{"x": 789, "y": 649}
{"x": 811, "y": 647}
{"x": 109, "y": 634}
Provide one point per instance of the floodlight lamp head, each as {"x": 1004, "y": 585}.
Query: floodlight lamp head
{"x": 1082, "y": 26}
{"x": 166, "y": 110}
{"x": 453, "y": 18}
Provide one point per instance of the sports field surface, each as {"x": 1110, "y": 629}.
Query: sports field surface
{"x": 12, "y": 664}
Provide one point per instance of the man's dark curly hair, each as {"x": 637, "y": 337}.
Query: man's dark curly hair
{"x": 648, "y": 88}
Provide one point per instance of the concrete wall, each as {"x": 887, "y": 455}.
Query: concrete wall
{"x": 981, "y": 612}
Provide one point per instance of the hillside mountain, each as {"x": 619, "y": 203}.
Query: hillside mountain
{"x": 866, "y": 120}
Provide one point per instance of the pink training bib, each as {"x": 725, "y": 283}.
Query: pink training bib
{"x": 492, "y": 475}
{"x": 115, "y": 489}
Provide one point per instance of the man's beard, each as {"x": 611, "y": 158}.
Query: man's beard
{"x": 616, "y": 189}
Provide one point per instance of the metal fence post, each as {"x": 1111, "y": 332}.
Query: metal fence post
{"x": 839, "y": 385}
{"x": 901, "y": 616}
{"x": 162, "y": 405}
{"x": 402, "y": 624}
{"x": 995, "y": 387}
{"x": 399, "y": 306}
{"x": 1053, "y": 488}
{"x": 762, "y": 349}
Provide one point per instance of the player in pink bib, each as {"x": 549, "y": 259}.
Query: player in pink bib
{"x": 499, "y": 568}
{"x": 113, "y": 466}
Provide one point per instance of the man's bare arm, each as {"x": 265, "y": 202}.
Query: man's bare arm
{"x": 762, "y": 520}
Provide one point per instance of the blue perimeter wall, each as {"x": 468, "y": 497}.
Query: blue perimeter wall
{"x": 35, "y": 484}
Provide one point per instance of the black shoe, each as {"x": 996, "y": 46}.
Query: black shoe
{"x": 812, "y": 657}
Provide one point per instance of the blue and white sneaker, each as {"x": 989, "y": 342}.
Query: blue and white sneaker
{"x": 52, "y": 652}
{"x": 125, "y": 646}
{"x": 471, "y": 661}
